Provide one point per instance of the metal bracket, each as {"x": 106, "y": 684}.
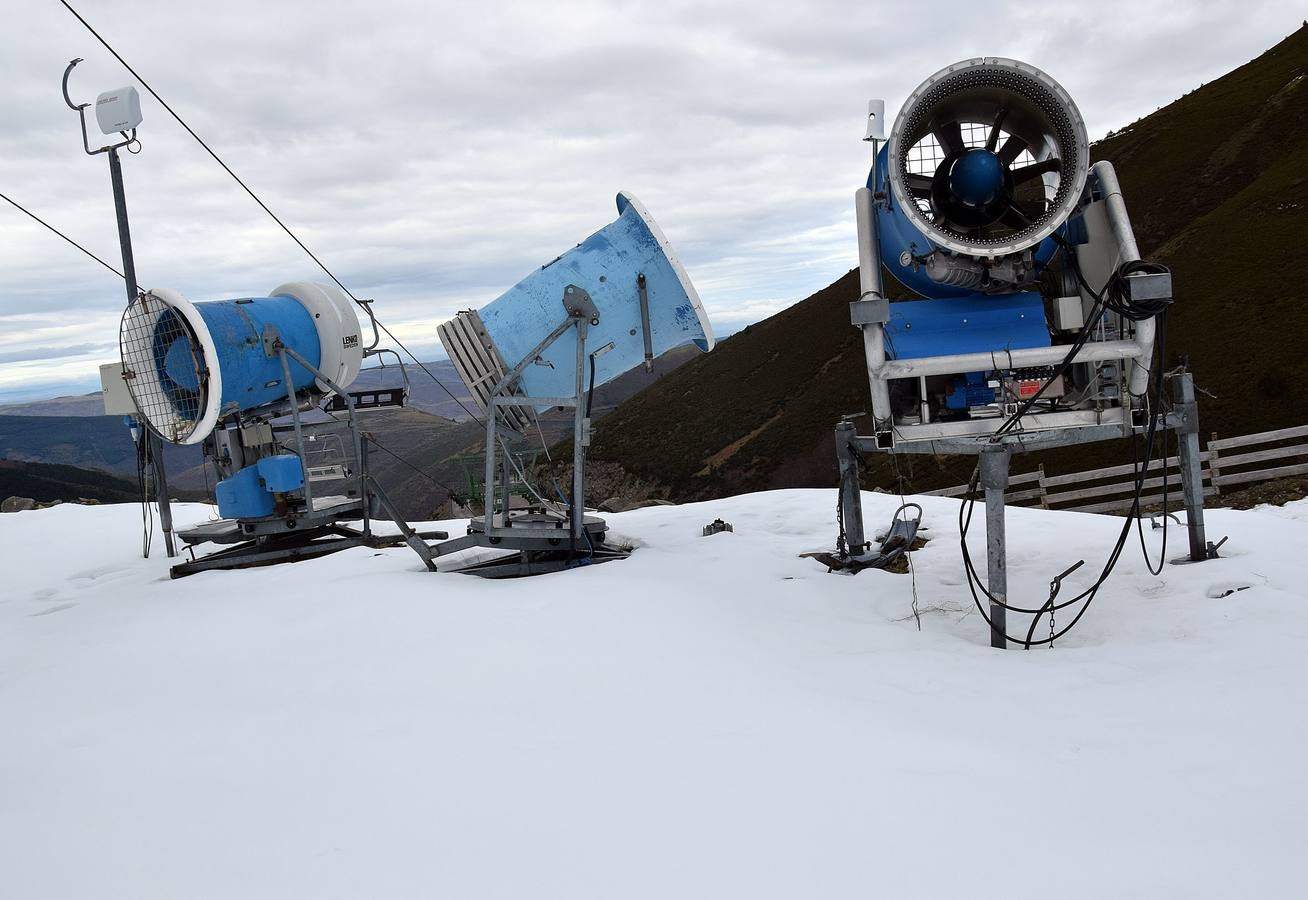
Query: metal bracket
{"x": 1184, "y": 417}
{"x": 272, "y": 340}
{"x": 579, "y": 305}
{"x": 869, "y": 312}
{"x": 644, "y": 321}
{"x": 80, "y": 109}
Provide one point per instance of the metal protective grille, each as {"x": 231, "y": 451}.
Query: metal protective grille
{"x": 916, "y": 129}
{"x": 924, "y": 157}
{"x": 164, "y": 367}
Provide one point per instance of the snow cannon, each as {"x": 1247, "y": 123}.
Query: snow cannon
{"x": 644, "y": 300}
{"x": 1038, "y": 319}
{"x": 617, "y": 298}
{"x": 227, "y": 368}
{"x": 983, "y": 202}
{"x": 189, "y": 365}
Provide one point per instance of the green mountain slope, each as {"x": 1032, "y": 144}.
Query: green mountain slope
{"x": 1217, "y": 184}
{"x": 44, "y": 482}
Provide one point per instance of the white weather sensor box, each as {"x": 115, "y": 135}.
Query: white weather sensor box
{"x": 118, "y": 110}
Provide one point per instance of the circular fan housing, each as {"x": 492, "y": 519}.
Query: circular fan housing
{"x": 988, "y": 157}
{"x": 190, "y": 364}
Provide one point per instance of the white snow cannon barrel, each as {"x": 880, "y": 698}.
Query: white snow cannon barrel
{"x": 189, "y": 364}
{"x": 646, "y": 302}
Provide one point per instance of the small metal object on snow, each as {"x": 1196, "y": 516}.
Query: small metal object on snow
{"x": 716, "y": 526}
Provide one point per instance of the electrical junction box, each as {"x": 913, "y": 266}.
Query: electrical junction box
{"x": 1068, "y": 314}
{"x": 118, "y": 110}
{"x": 117, "y": 398}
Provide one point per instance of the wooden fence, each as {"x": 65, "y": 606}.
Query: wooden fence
{"x": 1113, "y": 488}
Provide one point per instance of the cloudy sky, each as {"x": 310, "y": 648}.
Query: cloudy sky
{"x": 434, "y": 152}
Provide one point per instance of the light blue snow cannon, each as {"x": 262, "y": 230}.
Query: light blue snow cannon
{"x": 645, "y": 300}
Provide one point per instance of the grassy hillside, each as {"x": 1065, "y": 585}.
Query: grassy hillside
{"x": 44, "y": 482}
{"x": 1217, "y": 184}
{"x": 89, "y": 442}
{"x": 423, "y": 458}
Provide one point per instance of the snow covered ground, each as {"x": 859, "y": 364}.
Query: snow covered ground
{"x": 714, "y": 717}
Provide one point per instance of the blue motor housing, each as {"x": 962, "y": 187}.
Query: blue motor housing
{"x": 242, "y": 496}
{"x": 249, "y": 494}
{"x": 966, "y": 391}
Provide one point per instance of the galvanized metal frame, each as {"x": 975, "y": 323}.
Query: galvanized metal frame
{"x": 314, "y": 531}
{"x": 1038, "y": 430}
{"x": 870, "y": 313}
{"x": 495, "y": 530}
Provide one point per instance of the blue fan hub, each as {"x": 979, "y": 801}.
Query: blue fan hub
{"x": 977, "y": 177}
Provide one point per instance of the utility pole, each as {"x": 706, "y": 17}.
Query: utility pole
{"x": 119, "y": 112}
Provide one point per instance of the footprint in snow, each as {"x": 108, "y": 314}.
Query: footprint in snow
{"x": 59, "y": 607}
{"x": 1226, "y": 589}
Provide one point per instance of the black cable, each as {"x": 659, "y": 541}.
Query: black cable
{"x": 143, "y": 464}
{"x": 1082, "y": 337}
{"x": 434, "y": 480}
{"x": 1139, "y": 523}
{"x": 590, "y": 391}
{"x": 56, "y": 231}
{"x": 1117, "y": 293}
{"x": 1089, "y": 594}
{"x": 262, "y": 205}
{"x": 1115, "y": 296}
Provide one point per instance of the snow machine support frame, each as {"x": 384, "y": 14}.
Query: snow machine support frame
{"x": 994, "y": 457}
{"x": 317, "y": 530}
{"x": 548, "y": 541}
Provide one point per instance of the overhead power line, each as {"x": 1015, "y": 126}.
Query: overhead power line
{"x": 262, "y": 205}
{"x": 35, "y": 218}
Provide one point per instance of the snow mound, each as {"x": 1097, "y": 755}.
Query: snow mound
{"x": 714, "y": 717}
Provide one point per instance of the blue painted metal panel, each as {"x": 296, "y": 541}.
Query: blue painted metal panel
{"x": 977, "y": 323}
{"x": 605, "y": 265}
{"x": 249, "y": 377}
{"x": 281, "y": 473}
{"x": 243, "y": 496}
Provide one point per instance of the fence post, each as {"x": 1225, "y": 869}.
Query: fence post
{"x": 1044, "y": 494}
{"x": 1214, "y": 470}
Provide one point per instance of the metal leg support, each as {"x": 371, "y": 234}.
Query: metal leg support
{"x": 851, "y": 497}
{"x": 161, "y": 490}
{"x": 411, "y": 537}
{"x": 1187, "y": 438}
{"x": 994, "y": 462}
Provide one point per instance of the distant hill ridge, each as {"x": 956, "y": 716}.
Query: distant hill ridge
{"x": 1217, "y": 186}
{"x": 46, "y": 482}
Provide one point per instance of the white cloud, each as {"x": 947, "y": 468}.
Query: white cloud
{"x": 433, "y": 153}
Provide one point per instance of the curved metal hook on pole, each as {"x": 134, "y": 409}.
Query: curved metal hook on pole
{"x": 80, "y": 109}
